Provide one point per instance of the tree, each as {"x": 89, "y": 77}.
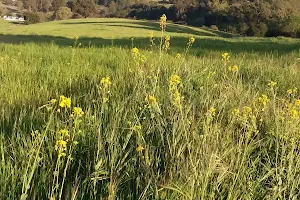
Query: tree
{"x": 56, "y": 4}
{"x": 85, "y": 8}
{"x": 63, "y": 13}
{"x": 112, "y": 8}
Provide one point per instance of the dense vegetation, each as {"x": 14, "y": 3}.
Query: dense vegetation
{"x": 244, "y": 17}
{"x": 83, "y": 119}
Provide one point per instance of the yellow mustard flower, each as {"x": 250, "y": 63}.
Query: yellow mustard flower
{"x": 63, "y": 132}
{"x": 212, "y": 111}
{"x": 61, "y": 145}
{"x": 140, "y": 148}
{"x": 64, "y": 102}
{"x": 151, "y": 100}
{"x": 272, "y": 84}
{"x": 105, "y": 82}
{"x": 78, "y": 111}
{"x": 175, "y": 80}
{"x": 135, "y": 51}
{"x": 235, "y": 112}
{"x": 163, "y": 22}
{"x": 191, "y": 40}
{"x": 53, "y": 101}
{"x": 233, "y": 68}
{"x": 225, "y": 56}
{"x": 151, "y": 34}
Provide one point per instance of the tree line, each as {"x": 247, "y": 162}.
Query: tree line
{"x": 243, "y": 17}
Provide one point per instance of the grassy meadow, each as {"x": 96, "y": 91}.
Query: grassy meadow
{"x": 103, "y": 109}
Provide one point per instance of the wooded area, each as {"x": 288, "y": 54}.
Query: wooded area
{"x": 244, "y": 17}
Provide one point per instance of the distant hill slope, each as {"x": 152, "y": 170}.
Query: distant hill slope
{"x": 106, "y": 28}
{"x": 128, "y": 33}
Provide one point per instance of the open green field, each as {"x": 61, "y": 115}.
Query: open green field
{"x": 98, "y": 118}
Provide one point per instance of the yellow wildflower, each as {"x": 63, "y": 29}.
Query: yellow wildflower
{"x": 233, "y": 68}
{"x": 235, "y": 112}
{"x": 64, "y": 102}
{"x": 78, "y": 111}
{"x": 272, "y": 84}
{"x": 76, "y": 37}
{"x": 178, "y": 56}
{"x": 212, "y": 111}
{"x": 105, "y": 82}
{"x": 292, "y": 91}
{"x": 294, "y": 114}
{"x": 166, "y": 45}
{"x": 140, "y": 148}
{"x": 135, "y": 51}
{"x": 225, "y": 57}
{"x": 191, "y": 40}
{"x": 175, "y": 80}
{"x": 151, "y": 34}
{"x": 247, "y": 110}
{"x": 151, "y": 100}
{"x": 63, "y": 133}
{"x": 61, "y": 145}
{"x": 53, "y": 101}
{"x": 297, "y": 102}
{"x": 163, "y": 22}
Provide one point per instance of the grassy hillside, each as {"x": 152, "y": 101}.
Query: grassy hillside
{"x": 128, "y": 33}
{"x": 96, "y": 118}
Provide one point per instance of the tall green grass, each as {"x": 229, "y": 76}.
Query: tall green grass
{"x": 210, "y": 135}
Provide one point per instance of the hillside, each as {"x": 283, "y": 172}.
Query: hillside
{"x": 124, "y": 32}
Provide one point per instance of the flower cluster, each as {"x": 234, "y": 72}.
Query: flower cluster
{"x": 152, "y": 104}
{"x": 63, "y": 138}
{"x": 174, "y": 85}
{"x": 138, "y": 58}
{"x": 191, "y": 41}
{"x": 105, "y": 84}
{"x": 292, "y": 92}
{"x": 64, "y": 102}
{"x": 251, "y": 117}
{"x": 233, "y": 68}
{"x": 77, "y": 111}
{"x": 225, "y": 57}
{"x": 163, "y": 22}
{"x": 151, "y": 36}
{"x": 166, "y": 45}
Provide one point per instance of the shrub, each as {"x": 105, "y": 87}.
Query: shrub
{"x": 290, "y": 27}
{"x": 257, "y": 29}
{"x": 77, "y": 16}
{"x": 3, "y": 11}
{"x": 214, "y": 27}
{"x": 31, "y": 18}
{"x": 232, "y": 29}
{"x": 46, "y": 16}
{"x": 63, "y": 13}
{"x": 243, "y": 28}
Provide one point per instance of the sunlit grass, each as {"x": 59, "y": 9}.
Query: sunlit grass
{"x": 82, "y": 122}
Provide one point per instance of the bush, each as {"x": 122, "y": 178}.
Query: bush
{"x": 31, "y": 18}
{"x": 46, "y": 16}
{"x": 77, "y": 16}
{"x": 63, "y": 13}
{"x": 259, "y": 30}
{"x": 3, "y": 11}
{"x": 214, "y": 27}
{"x": 243, "y": 28}
{"x": 290, "y": 27}
{"x": 232, "y": 29}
